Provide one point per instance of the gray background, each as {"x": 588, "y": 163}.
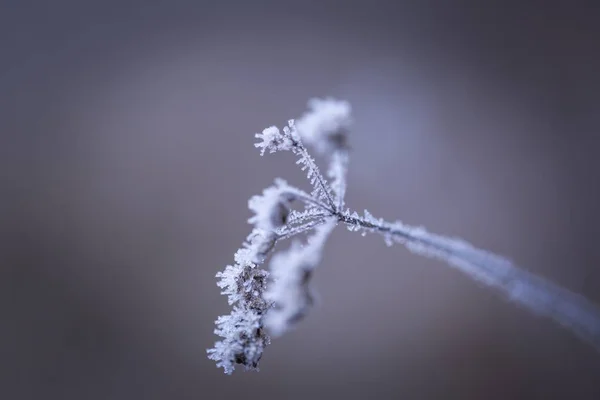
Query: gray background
{"x": 127, "y": 160}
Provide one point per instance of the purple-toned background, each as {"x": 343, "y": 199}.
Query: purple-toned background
{"x": 127, "y": 161}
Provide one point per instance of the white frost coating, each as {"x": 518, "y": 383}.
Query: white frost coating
{"x": 303, "y": 216}
{"x": 291, "y": 271}
{"x": 326, "y": 125}
{"x": 519, "y": 286}
{"x": 243, "y": 338}
{"x": 321, "y": 189}
{"x": 277, "y": 305}
{"x": 273, "y": 140}
{"x": 338, "y": 167}
{"x": 272, "y": 208}
{"x": 238, "y": 330}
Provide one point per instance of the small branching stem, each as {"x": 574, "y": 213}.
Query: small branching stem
{"x": 322, "y": 185}
{"x": 308, "y": 199}
{"x": 288, "y": 232}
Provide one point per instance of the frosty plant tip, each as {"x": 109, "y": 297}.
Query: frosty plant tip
{"x": 269, "y": 303}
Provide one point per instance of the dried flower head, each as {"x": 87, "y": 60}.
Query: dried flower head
{"x": 276, "y": 301}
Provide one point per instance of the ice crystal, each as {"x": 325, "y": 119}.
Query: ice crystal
{"x": 273, "y": 140}
{"x": 291, "y": 271}
{"x": 326, "y": 125}
{"x": 272, "y": 208}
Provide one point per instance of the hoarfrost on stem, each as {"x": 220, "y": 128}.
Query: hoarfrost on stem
{"x": 273, "y": 140}
{"x": 270, "y": 303}
{"x": 290, "y": 292}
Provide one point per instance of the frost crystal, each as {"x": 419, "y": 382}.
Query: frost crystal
{"x": 291, "y": 271}
{"x": 274, "y": 140}
{"x": 272, "y": 208}
{"x": 274, "y": 303}
{"x": 244, "y": 340}
{"x": 326, "y": 125}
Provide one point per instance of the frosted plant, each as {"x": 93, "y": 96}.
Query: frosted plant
{"x": 270, "y": 303}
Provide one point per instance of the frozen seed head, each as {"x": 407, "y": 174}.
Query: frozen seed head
{"x": 326, "y": 125}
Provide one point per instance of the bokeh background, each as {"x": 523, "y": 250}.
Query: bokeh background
{"x": 126, "y": 162}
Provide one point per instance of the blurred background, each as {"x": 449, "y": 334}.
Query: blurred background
{"x": 126, "y": 158}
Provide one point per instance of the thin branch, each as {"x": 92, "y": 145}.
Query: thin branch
{"x": 308, "y": 199}
{"x": 287, "y": 231}
{"x": 300, "y": 217}
{"x": 338, "y": 167}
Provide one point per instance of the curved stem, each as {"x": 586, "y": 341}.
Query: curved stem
{"x": 537, "y": 294}
{"x": 338, "y": 166}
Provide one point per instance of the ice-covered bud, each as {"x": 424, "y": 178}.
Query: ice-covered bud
{"x": 271, "y": 209}
{"x": 273, "y": 140}
{"x": 326, "y": 125}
